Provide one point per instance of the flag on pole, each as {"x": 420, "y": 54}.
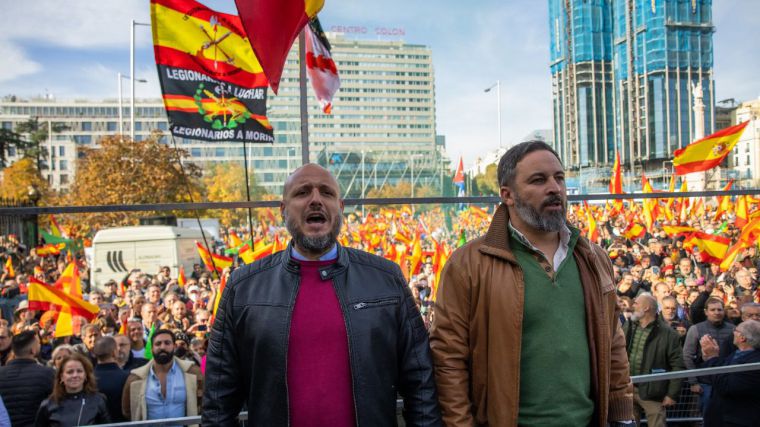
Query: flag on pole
{"x": 742, "y": 216}
{"x": 219, "y": 262}
{"x": 724, "y": 205}
{"x": 55, "y": 229}
{"x": 634, "y": 230}
{"x": 458, "y": 179}
{"x": 323, "y": 73}
{"x": 707, "y": 152}
{"x": 213, "y": 86}
{"x": 272, "y": 27}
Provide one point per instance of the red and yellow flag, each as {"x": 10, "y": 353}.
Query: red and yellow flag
{"x": 616, "y": 184}
{"x": 181, "y": 279}
{"x": 712, "y": 248}
{"x": 272, "y": 26}
{"x": 220, "y": 262}
{"x": 677, "y": 230}
{"x": 724, "y": 205}
{"x": 213, "y": 86}
{"x": 742, "y": 215}
{"x": 10, "y": 272}
{"x": 708, "y": 152}
{"x": 634, "y": 230}
{"x": 593, "y": 231}
{"x": 218, "y": 296}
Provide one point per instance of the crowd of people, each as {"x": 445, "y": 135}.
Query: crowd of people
{"x": 143, "y": 356}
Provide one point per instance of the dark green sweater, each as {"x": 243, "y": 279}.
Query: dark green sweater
{"x": 555, "y": 366}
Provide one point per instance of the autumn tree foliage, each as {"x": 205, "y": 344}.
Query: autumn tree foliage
{"x": 18, "y": 178}
{"x": 487, "y": 182}
{"x": 122, "y": 171}
{"x": 225, "y": 182}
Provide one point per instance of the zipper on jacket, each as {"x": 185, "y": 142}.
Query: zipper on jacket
{"x": 344, "y": 311}
{"x": 377, "y": 303}
{"x": 287, "y": 345}
{"x": 79, "y": 420}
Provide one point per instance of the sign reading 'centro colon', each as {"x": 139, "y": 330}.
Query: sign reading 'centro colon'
{"x": 355, "y": 29}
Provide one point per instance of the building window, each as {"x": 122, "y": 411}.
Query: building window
{"x": 87, "y": 126}
{"x": 111, "y": 126}
{"x": 63, "y": 165}
{"x": 61, "y": 151}
{"x": 64, "y": 179}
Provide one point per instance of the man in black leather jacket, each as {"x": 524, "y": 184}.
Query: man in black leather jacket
{"x": 318, "y": 334}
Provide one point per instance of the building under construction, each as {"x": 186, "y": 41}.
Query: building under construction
{"x": 625, "y": 75}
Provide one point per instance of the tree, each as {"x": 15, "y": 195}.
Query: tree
{"x": 38, "y": 133}
{"x": 10, "y": 139}
{"x": 402, "y": 189}
{"x": 123, "y": 171}
{"x": 19, "y": 177}
{"x": 487, "y": 183}
{"x": 225, "y": 182}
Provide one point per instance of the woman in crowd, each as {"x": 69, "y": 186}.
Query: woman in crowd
{"x": 75, "y": 400}
{"x": 61, "y": 352}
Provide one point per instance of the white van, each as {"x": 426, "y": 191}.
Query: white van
{"x": 117, "y": 251}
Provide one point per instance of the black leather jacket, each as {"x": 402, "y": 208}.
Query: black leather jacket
{"x": 388, "y": 343}
{"x": 75, "y": 410}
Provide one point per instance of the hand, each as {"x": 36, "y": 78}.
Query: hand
{"x": 696, "y": 388}
{"x": 710, "y": 347}
{"x": 668, "y": 402}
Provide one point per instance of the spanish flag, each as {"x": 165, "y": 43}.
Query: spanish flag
{"x": 677, "y": 230}
{"x": 219, "y": 262}
{"x": 272, "y": 26}
{"x": 181, "y": 278}
{"x": 712, "y": 248}
{"x": 593, "y": 231}
{"x": 9, "y": 268}
{"x": 725, "y": 202}
{"x": 708, "y": 152}
{"x": 634, "y": 231}
{"x": 742, "y": 216}
{"x": 616, "y": 183}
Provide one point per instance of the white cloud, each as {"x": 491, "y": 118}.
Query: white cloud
{"x": 15, "y": 63}
{"x": 73, "y": 23}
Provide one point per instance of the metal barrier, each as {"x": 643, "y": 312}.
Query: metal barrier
{"x": 639, "y": 379}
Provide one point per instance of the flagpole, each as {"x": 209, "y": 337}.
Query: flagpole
{"x": 248, "y": 192}
{"x": 303, "y": 95}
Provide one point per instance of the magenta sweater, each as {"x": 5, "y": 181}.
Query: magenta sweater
{"x": 319, "y": 371}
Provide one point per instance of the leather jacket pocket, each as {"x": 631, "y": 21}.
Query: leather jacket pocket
{"x": 375, "y": 303}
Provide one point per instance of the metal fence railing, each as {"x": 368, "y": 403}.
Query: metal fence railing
{"x": 688, "y": 412}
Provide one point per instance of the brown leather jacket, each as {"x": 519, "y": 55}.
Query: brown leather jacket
{"x": 477, "y": 367}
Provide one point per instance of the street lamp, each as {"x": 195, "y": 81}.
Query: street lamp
{"x": 121, "y": 107}
{"x": 497, "y": 85}
{"x": 132, "y": 74}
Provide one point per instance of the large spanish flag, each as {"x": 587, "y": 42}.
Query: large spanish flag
{"x": 272, "y": 26}
{"x": 213, "y": 86}
{"x": 708, "y": 152}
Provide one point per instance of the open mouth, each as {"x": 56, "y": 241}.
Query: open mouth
{"x": 316, "y": 218}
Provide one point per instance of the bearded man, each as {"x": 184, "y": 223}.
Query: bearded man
{"x": 526, "y": 328}
{"x": 166, "y": 387}
{"x": 318, "y": 334}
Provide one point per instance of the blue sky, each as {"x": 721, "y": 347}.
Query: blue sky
{"x": 74, "y": 48}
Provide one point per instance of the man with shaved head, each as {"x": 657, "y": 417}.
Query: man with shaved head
{"x": 653, "y": 347}
{"x": 318, "y": 334}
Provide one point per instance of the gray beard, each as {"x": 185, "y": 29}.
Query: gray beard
{"x": 317, "y": 244}
{"x": 552, "y": 221}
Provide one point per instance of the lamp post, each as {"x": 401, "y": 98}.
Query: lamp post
{"x": 34, "y": 196}
{"x": 121, "y": 106}
{"x": 132, "y": 76}
{"x": 497, "y": 85}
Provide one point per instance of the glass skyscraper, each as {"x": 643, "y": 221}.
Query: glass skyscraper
{"x": 625, "y": 74}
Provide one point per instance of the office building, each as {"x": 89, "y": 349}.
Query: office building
{"x": 626, "y": 76}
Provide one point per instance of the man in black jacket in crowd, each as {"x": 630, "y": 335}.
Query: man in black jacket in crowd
{"x": 24, "y": 383}
{"x": 318, "y": 334}
{"x": 735, "y": 400}
{"x": 110, "y": 376}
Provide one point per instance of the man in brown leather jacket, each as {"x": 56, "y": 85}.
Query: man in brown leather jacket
{"x": 526, "y": 327}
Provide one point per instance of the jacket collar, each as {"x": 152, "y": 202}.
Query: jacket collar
{"x": 496, "y": 241}
{"x": 294, "y": 266}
